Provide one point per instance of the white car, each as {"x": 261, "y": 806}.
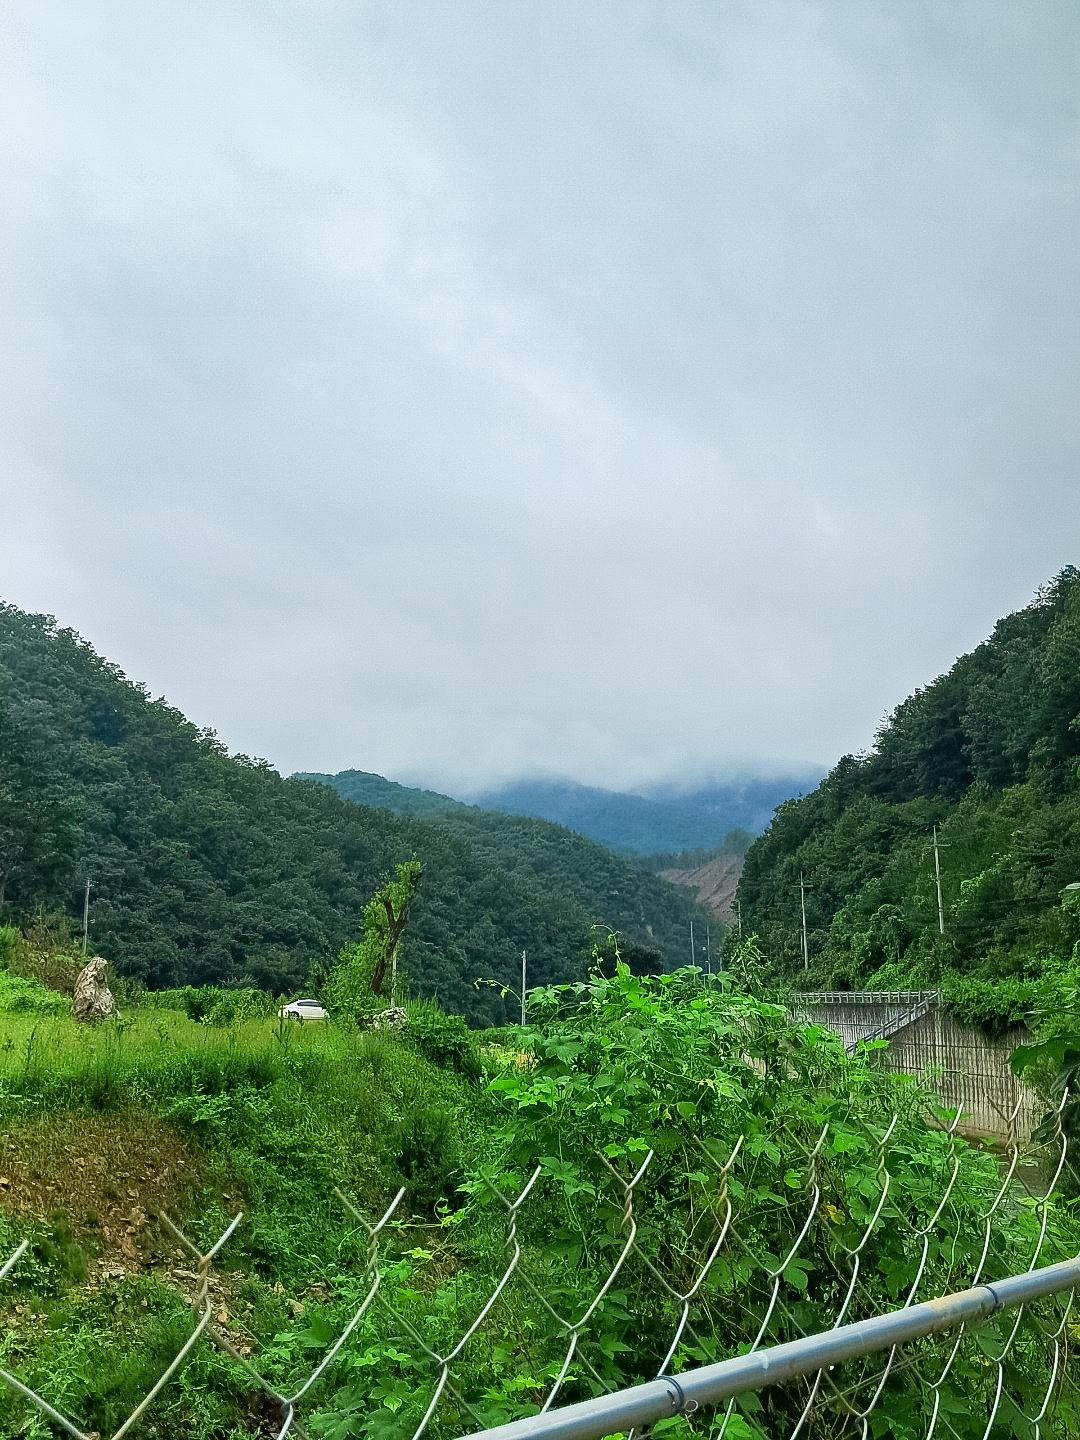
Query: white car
{"x": 303, "y": 1010}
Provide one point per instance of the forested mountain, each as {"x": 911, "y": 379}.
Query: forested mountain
{"x": 668, "y": 819}
{"x": 989, "y": 754}
{"x": 208, "y": 867}
{"x": 364, "y": 788}
{"x": 735, "y": 842}
{"x": 612, "y": 889}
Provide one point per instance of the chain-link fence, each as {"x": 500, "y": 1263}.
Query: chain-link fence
{"x": 821, "y": 1354}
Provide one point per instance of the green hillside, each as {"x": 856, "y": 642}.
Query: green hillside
{"x": 989, "y": 754}
{"x": 668, "y": 819}
{"x": 667, "y": 825}
{"x": 364, "y": 788}
{"x": 615, "y": 890}
{"x": 211, "y": 868}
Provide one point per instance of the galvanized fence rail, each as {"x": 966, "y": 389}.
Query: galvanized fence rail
{"x": 824, "y": 1395}
{"x": 627, "y": 1410}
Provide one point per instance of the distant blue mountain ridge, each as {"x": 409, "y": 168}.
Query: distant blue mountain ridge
{"x": 669, "y": 819}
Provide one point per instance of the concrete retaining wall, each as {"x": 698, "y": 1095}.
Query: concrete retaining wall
{"x": 964, "y": 1066}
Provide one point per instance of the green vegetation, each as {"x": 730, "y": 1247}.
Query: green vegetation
{"x": 626, "y": 1066}
{"x": 102, "y": 1126}
{"x": 19, "y": 996}
{"x": 364, "y": 788}
{"x": 989, "y": 755}
{"x": 98, "y": 1127}
{"x": 735, "y": 842}
{"x": 365, "y": 977}
{"x": 211, "y": 1004}
{"x": 607, "y": 886}
{"x": 768, "y": 1145}
{"x": 211, "y": 869}
{"x": 712, "y": 819}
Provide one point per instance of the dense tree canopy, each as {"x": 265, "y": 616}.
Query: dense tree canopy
{"x": 613, "y": 889}
{"x": 208, "y": 867}
{"x": 989, "y": 754}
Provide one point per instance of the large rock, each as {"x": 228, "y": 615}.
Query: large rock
{"x": 93, "y": 1000}
{"x": 394, "y": 1017}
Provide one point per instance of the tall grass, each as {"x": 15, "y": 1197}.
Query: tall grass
{"x": 272, "y": 1116}
{"x": 156, "y": 1055}
{"x": 288, "y": 1110}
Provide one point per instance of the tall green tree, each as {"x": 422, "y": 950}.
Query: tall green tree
{"x": 989, "y": 754}
{"x": 210, "y": 868}
{"x": 37, "y": 826}
{"x": 368, "y": 973}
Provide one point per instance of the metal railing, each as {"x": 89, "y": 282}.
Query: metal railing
{"x": 863, "y": 997}
{"x": 809, "y": 1368}
{"x": 907, "y": 1007}
{"x": 711, "y": 1384}
{"x": 895, "y": 1023}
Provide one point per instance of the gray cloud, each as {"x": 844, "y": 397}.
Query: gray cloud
{"x": 458, "y": 389}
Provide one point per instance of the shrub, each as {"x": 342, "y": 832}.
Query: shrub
{"x": 427, "y": 1155}
{"x": 347, "y": 993}
{"x": 749, "y": 1123}
{"x": 993, "y": 1006}
{"x": 10, "y": 943}
{"x": 445, "y": 1040}
{"x": 216, "y": 1006}
{"x": 54, "y": 966}
{"x": 19, "y": 996}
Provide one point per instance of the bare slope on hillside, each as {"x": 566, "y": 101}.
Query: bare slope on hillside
{"x": 715, "y": 883}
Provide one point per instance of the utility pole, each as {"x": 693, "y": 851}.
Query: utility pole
{"x": 937, "y": 880}
{"x": 693, "y": 959}
{"x": 738, "y": 914}
{"x": 524, "y": 981}
{"x": 708, "y": 949}
{"x": 85, "y": 915}
{"x": 802, "y": 906}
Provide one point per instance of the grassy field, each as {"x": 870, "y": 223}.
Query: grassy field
{"x": 763, "y": 1136}
{"x": 102, "y": 1127}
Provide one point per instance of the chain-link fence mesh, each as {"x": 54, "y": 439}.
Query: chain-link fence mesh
{"x": 666, "y": 1301}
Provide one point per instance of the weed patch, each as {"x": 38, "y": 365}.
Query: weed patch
{"x": 91, "y": 1182}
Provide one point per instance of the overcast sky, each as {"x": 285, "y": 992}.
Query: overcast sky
{"x": 626, "y": 390}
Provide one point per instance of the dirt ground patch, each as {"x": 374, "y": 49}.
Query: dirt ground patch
{"x": 101, "y": 1176}
{"x": 715, "y": 882}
